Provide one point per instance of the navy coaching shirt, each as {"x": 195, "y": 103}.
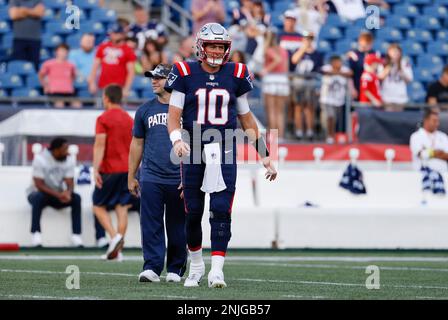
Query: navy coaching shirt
{"x": 150, "y": 123}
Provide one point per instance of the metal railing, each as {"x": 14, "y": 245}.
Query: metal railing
{"x": 182, "y": 29}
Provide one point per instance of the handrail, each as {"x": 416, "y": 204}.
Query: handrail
{"x": 185, "y": 17}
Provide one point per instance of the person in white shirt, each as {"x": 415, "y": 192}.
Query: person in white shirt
{"x": 428, "y": 145}
{"x": 333, "y": 94}
{"x": 53, "y": 185}
{"x": 311, "y": 15}
{"x": 395, "y": 75}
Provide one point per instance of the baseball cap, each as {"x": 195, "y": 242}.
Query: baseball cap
{"x": 290, "y": 14}
{"x": 372, "y": 58}
{"x": 161, "y": 71}
{"x": 116, "y": 28}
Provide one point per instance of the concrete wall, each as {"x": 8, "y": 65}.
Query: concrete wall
{"x": 391, "y": 215}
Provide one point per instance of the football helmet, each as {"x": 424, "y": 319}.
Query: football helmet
{"x": 212, "y": 33}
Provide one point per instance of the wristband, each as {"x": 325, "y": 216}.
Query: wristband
{"x": 260, "y": 146}
{"x": 175, "y": 136}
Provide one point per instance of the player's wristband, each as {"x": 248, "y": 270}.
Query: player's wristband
{"x": 175, "y": 136}
{"x": 260, "y": 146}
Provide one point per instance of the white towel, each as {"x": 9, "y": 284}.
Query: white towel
{"x": 213, "y": 180}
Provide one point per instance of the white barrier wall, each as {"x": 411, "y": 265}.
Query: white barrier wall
{"x": 391, "y": 215}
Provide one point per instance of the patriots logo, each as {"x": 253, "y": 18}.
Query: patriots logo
{"x": 250, "y": 81}
{"x": 171, "y": 78}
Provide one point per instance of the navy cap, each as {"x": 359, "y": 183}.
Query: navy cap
{"x": 116, "y": 28}
{"x": 161, "y": 71}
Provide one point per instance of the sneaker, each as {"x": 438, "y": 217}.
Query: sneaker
{"x": 172, "y": 277}
{"x": 309, "y": 134}
{"x": 76, "y": 240}
{"x": 36, "y": 239}
{"x": 116, "y": 244}
{"x": 148, "y": 276}
{"x": 195, "y": 275}
{"x": 299, "y": 134}
{"x": 329, "y": 140}
{"x": 216, "y": 279}
{"x": 102, "y": 242}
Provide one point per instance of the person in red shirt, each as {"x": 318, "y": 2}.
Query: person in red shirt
{"x": 110, "y": 166}
{"x": 370, "y": 84}
{"x": 116, "y": 60}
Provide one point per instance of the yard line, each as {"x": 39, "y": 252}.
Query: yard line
{"x": 335, "y": 266}
{"x": 303, "y": 297}
{"x": 344, "y": 284}
{"x": 244, "y": 258}
{"x": 433, "y": 298}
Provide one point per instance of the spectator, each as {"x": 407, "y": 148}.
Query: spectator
{"x": 133, "y": 44}
{"x": 186, "y": 51}
{"x": 309, "y": 61}
{"x": 143, "y": 28}
{"x": 83, "y": 57}
{"x": 350, "y": 10}
{"x": 333, "y": 94}
{"x": 395, "y": 75}
{"x": 310, "y": 16}
{"x": 370, "y": 84}
{"x": 430, "y": 145}
{"x": 356, "y": 59}
{"x": 56, "y": 77}
{"x": 53, "y": 185}
{"x": 27, "y": 29}
{"x": 206, "y": 11}
{"x": 113, "y": 134}
{"x": 152, "y": 55}
{"x": 238, "y": 57}
{"x": 275, "y": 83}
{"x": 289, "y": 38}
{"x": 116, "y": 63}
{"x": 242, "y": 15}
{"x": 438, "y": 91}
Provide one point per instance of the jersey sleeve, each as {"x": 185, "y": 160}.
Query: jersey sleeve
{"x": 100, "y": 127}
{"x": 138, "y": 130}
{"x": 175, "y": 80}
{"x": 243, "y": 78}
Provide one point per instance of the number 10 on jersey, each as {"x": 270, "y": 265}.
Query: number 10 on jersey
{"x": 207, "y": 103}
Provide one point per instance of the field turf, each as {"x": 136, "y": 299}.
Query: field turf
{"x": 250, "y": 274}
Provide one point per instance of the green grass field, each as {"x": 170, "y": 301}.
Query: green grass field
{"x": 41, "y": 274}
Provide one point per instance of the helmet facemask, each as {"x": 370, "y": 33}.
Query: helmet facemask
{"x": 212, "y": 61}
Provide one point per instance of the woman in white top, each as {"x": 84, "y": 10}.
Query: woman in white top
{"x": 395, "y": 76}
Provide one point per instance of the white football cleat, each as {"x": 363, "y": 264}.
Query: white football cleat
{"x": 195, "y": 275}
{"x": 148, "y": 276}
{"x": 172, "y": 277}
{"x": 36, "y": 239}
{"x": 216, "y": 279}
{"x": 115, "y": 246}
{"x": 76, "y": 240}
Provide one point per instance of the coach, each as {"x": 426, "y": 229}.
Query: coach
{"x": 110, "y": 164}
{"x": 159, "y": 180}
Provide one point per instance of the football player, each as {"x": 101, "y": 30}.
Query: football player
{"x": 211, "y": 94}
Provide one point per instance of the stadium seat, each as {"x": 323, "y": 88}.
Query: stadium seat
{"x": 55, "y": 4}
{"x": 381, "y": 46}
{"x": 282, "y": 6}
{"x": 86, "y": 4}
{"x": 133, "y": 95}
{"x": 441, "y": 2}
{"x": 147, "y": 94}
{"x": 416, "y": 92}
{"x": 427, "y": 22}
{"x": 419, "y": 35}
{"x": 334, "y": 20}
{"x": 44, "y": 54}
{"x": 4, "y": 27}
{"x": 7, "y": 41}
{"x": 49, "y": 15}
{"x": 344, "y": 46}
{"x": 10, "y": 81}
{"x": 389, "y": 34}
{"x": 442, "y": 35}
{"x": 28, "y": 93}
{"x": 92, "y": 27}
{"x": 412, "y": 48}
{"x": 103, "y": 15}
{"x": 423, "y": 75}
{"x": 436, "y": 11}
{"x": 406, "y": 10}
{"x": 73, "y": 40}
{"x": 32, "y": 81}
{"x": 438, "y": 48}
{"x": 352, "y": 33}
{"x": 402, "y": 23}
{"x": 4, "y": 14}
{"x": 430, "y": 62}
{"x": 84, "y": 94}
{"x": 141, "y": 83}
{"x": 419, "y": 2}
{"x": 3, "y": 93}
{"x": 324, "y": 46}
{"x": 330, "y": 33}
{"x": 51, "y": 40}
{"x": 57, "y": 27}
{"x": 80, "y": 83}
{"x": 20, "y": 67}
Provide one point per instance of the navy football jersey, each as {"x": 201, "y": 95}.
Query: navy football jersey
{"x": 210, "y": 98}
{"x": 150, "y": 124}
